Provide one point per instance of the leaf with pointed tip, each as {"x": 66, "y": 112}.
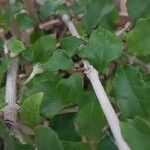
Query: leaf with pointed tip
{"x": 70, "y": 45}
{"x": 29, "y": 113}
{"x": 138, "y": 39}
{"x": 43, "y": 48}
{"x": 131, "y": 93}
{"x": 90, "y": 119}
{"x": 45, "y": 83}
{"x": 70, "y": 90}
{"x": 103, "y": 47}
{"x": 62, "y": 124}
{"x": 47, "y": 139}
{"x": 95, "y": 11}
{"x": 59, "y": 60}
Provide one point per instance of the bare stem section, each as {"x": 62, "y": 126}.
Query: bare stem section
{"x": 106, "y": 106}
{"x": 123, "y": 8}
{"x": 70, "y": 25}
{"x": 10, "y": 111}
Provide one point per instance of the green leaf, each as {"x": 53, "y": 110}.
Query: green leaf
{"x": 4, "y": 64}
{"x": 70, "y": 45}
{"x": 10, "y": 142}
{"x": 2, "y": 98}
{"x": 17, "y": 6}
{"x": 2, "y": 17}
{"x": 107, "y": 143}
{"x": 59, "y": 60}
{"x": 35, "y": 36}
{"x": 137, "y": 9}
{"x": 43, "y": 48}
{"x": 131, "y": 93}
{"x": 136, "y": 139}
{"x": 109, "y": 21}
{"x": 76, "y": 146}
{"x": 95, "y": 11}
{"x": 50, "y": 106}
{"x": 29, "y": 113}
{"x": 64, "y": 123}
{"x": 9, "y": 16}
{"x": 90, "y": 119}
{"x": 46, "y": 139}
{"x": 138, "y": 39}
{"x": 146, "y": 78}
{"x": 49, "y": 8}
{"x": 72, "y": 87}
{"x": 1, "y": 44}
{"x": 102, "y": 48}
{"x": 45, "y": 83}
{"x": 24, "y": 21}
{"x": 15, "y": 45}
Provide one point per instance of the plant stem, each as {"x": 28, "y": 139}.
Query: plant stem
{"x": 70, "y": 25}
{"x": 123, "y": 9}
{"x": 106, "y": 106}
{"x": 10, "y": 111}
{"x": 134, "y": 60}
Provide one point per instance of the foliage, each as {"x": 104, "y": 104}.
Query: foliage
{"x": 45, "y": 102}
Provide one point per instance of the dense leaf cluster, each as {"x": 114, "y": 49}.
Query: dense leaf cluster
{"x": 62, "y": 86}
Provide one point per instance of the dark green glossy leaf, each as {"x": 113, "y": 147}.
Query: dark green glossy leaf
{"x": 59, "y": 60}
{"x": 72, "y": 87}
{"x": 102, "y": 48}
{"x": 46, "y": 139}
{"x": 131, "y": 93}
{"x": 29, "y": 113}
{"x": 138, "y": 39}
{"x": 90, "y": 119}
